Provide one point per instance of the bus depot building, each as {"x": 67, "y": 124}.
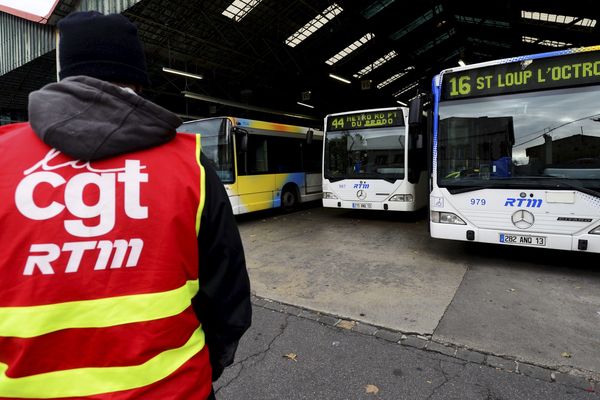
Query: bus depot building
{"x": 416, "y": 185}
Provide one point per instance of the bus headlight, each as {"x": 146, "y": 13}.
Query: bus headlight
{"x": 329, "y": 195}
{"x": 408, "y": 198}
{"x": 595, "y": 231}
{"x": 446, "y": 218}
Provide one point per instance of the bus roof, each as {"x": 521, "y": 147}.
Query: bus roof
{"x": 265, "y": 126}
{"x": 404, "y": 109}
{"x": 519, "y": 58}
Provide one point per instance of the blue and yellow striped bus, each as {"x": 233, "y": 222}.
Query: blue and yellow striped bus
{"x": 263, "y": 165}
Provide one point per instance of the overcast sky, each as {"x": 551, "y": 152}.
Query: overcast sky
{"x": 536, "y": 113}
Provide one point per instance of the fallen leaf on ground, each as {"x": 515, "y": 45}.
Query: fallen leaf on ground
{"x": 371, "y": 389}
{"x": 292, "y": 356}
{"x": 565, "y": 354}
{"x": 345, "y": 324}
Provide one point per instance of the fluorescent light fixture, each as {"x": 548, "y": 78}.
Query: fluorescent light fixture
{"x": 304, "y": 104}
{"x": 238, "y": 9}
{"x": 558, "y": 19}
{"x": 235, "y": 104}
{"x": 406, "y": 89}
{"x": 376, "y": 64}
{"x": 544, "y": 42}
{"x": 461, "y": 63}
{"x": 182, "y": 73}
{"x": 394, "y": 77}
{"x": 401, "y": 103}
{"x": 345, "y": 52}
{"x": 339, "y": 78}
{"x": 314, "y": 25}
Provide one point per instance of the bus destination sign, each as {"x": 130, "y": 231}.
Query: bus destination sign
{"x": 365, "y": 120}
{"x": 543, "y": 73}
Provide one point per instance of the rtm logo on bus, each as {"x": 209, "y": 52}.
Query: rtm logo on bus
{"x": 527, "y": 203}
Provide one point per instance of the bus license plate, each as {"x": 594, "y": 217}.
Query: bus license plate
{"x": 362, "y": 205}
{"x": 523, "y": 239}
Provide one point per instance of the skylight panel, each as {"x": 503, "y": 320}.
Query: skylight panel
{"x": 376, "y": 64}
{"x": 417, "y": 22}
{"x": 345, "y": 52}
{"x": 313, "y": 25}
{"x": 558, "y": 19}
{"x": 486, "y": 42}
{"x": 406, "y": 89}
{"x": 394, "y": 77}
{"x": 436, "y": 41}
{"x": 375, "y": 8}
{"x": 240, "y": 8}
{"x": 480, "y": 21}
{"x": 545, "y": 42}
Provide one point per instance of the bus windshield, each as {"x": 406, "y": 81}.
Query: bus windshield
{"x": 216, "y": 144}
{"x": 365, "y": 153}
{"x": 539, "y": 139}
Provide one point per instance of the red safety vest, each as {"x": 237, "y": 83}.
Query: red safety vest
{"x": 98, "y": 266}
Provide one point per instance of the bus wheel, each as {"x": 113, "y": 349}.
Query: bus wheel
{"x": 289, "y": 199}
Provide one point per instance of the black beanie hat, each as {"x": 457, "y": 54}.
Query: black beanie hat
{"x": 105, "y": 47}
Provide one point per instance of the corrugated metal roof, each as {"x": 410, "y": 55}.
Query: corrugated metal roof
{"x": 22, "y": 41}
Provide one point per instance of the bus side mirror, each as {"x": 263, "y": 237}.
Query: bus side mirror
{"x": 309, "y": 136}
{"x": 244, "y": 138}
{"x": 415, "y": 111}
{"x": 244, "y": 142}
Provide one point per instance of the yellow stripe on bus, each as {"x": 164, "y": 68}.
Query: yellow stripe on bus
{"x": 26, "y": 322}
{"x": 202, "y": 185}
{"x": 93, "y": 381}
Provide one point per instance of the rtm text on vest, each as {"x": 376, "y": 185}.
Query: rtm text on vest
{"x": 43, "y": 257}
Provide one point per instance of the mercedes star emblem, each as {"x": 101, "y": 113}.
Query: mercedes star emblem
{"x": 522, "y": 219}
{"x": 361, "y": 194}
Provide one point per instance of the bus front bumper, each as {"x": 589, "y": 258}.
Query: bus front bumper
{"x": 583, "y": 242}
{"x": 365, "y": 205}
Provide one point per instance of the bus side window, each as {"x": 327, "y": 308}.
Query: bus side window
{"x": 257, "y": 155}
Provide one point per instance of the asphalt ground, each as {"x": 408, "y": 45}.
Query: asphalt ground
{"x": 535, "y": 306}
{"x": 284, "y": 356}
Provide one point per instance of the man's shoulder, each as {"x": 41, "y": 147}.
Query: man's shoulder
{"x": 7, "y": 131}
{"x": 13, "y": 127}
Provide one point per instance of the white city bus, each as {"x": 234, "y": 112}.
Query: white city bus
{"x": 516, "y": 151}
{"x": 372, "y": 160}
{"x": 262, "y": 164}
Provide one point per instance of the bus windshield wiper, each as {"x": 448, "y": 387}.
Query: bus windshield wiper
{"x": 466, "y": 189}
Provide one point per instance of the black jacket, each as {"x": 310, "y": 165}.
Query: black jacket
{"x": 89, "y": 119}
{"x": 223, "y": 303}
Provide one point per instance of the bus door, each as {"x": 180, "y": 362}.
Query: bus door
{"x": 256, "y": 186}
{"x": 312, "y": 152}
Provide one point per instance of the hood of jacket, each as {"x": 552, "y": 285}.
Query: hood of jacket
{"x": 90, "y": 119}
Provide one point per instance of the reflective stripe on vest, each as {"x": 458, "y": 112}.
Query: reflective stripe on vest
{"x": 90, "y": 381}
{"x": 26, "y": 322}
